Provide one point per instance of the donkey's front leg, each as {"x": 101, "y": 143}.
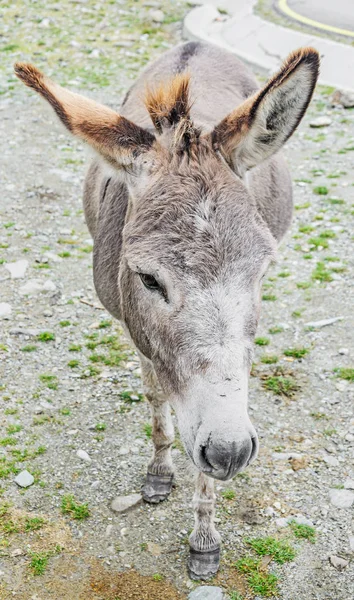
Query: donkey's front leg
{"x": 159, "y": 478}
{"x": 204, "y": 557}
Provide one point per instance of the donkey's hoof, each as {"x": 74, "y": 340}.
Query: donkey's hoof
{"x": 157, "y": 488}
{"x": 203, "y": 565}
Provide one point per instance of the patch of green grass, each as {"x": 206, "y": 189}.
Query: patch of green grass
{"x": 260, "y": 582}
{"x": 235, "y": 595}
{"x": 73, "y": 364}
{"x": 269, "y": 359}
{"x": 46, "y": 336}
{"x": 228, "y": 494}
{"x": 131, "y": 396}
{"x": 33, "y": 523}
{"x": 75, "y": 348}
{"x": 12, "y": 429}
{"x": 65, "y": 411}
{"x": 280, "y": 385}
{"x": 276, "y": 329}
{"x": 8, "y": 441}
{"x": 303, "y": 531}
{"x": 306, "y": 228}
{"x": 64, "y": 323}
{"x": 319, "y": 415}
{"x": 296, "y": 313}
{"x": 77, "y": 511}
{"x": 39, "y": 561}
{"x": 29, "y": 348}
{"x": 320, "y": 273}
{"x": 284, "y": 274}
{"x": 64, "y": 254}
{"x": 318, "y": 242}
{"x": 303, "y": 285}
{"x": 329, "y": 431}
{"x": 302, "y": 206}
{"x": 157, "y": 577}
{"x": 320, "y": 190}
{"x": 269, "y": 297}
{"x": 51, "y": 381}
{"x": 100, "y": 426}
{"x": 148, "y": 430}
{"x": 335, "y": 201}
{"x": 262, "y": 341}
{"x": 280, "y": 550}
{"x": 346, "y": 373}
{"x": 10, "y": 411}
{"x": 104, "y": 324}
{"x": 296, "y": 352}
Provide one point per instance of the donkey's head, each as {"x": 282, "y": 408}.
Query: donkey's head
{"x": 195, "y": 249}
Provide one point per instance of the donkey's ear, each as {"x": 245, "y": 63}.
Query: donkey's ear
{"x": 263, "y": 123}
{"x": 117, "y": 139}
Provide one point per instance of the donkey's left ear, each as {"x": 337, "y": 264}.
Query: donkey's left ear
{"x": 261, "y": 125}
{"x": 114, "y": 137}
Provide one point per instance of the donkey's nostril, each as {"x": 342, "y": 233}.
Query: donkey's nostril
{"x": 204, "y": 460}
{"x": 254, "y": 450}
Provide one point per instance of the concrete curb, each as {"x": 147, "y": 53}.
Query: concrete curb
{"x": 264, "y": 44}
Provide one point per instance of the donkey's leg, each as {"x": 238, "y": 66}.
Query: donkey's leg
{"x": 204, "y": 557}
{"x": 159, "y": 478}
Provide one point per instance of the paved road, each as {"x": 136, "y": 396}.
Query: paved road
{"x": 323, "y": 13}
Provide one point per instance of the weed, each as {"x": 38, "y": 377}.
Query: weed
{"x": 75, "y": 348}
{"x": 296, "y": 352}
{"x": 280, "y": 385}
{"x": 302, "y": 531}
{"x": 269, "y": 359}
{"x": 51, "y": 381}
{"x": 262, "y": 341}
{"x": 100, "y": 426}
{"x": 69, "y": 506}
{"x": 261, "y": 582}
{"x": 157, "y": 577}
{"x": 346, "y": 373}
{"x": 33, "y": 523}
{"x": 73, "y": 364}
{"x": 269, "y": 297}
{"x": 276, "y": 329}
{"x": 228, "y": 494}
{"x": 46, "y": 336}
{"x": 320, "y": 190}
{"x": 280, "y": 550}
{"x": 12, "y": 429}
{"x": 148, "y": 430}
{"x": 39, "y": 561}
{"x": 131, "y": 396}
{"x": 64, "y": 323}
{"x": 320, "y": 273}
{"x": 104, "y": 324}
{"x": 29, "y": 348}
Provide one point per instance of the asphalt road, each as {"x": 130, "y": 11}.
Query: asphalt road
{"x": 338, "y": 14}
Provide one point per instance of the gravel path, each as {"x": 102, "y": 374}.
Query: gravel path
{"x": 69, "y": 382}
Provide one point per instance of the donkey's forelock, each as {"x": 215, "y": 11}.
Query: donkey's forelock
{"x": 169, "y": 106}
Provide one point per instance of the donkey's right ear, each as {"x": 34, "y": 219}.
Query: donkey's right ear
{"x": 116, "y": 138}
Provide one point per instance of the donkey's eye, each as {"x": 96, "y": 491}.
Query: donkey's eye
{"x": 151, "y": 283}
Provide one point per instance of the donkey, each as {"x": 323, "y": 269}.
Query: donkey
{"x": 186, "y": 204}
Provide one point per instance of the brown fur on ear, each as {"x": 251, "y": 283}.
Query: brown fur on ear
{"x": 169, "y": 103}
{"x": 270, "y": 116}
{"x": 115, "y": 137}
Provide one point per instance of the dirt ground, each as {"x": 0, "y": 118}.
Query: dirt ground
{"x": 69, "y": 382}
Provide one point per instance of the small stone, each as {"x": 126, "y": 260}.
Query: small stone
{"x": 341, "y": 498}
{"x": 343, "y": 351}
{"x": 17, "y": 552}
{"x": 17, "y": 269}
{"x": 332, "y": 461}
{"x": 122, "y": 504}
{"x": 320, "y": 122}
{"x": 154, "y": 549}
{"x": 123, "y": 451}
{"x": 323, "y": 323}
{"x": 338, "y": 562}
{"x": 49, "y": 286}
{"x": 281, "y": 522}
{"x": 349, "y": 484}
{"x": 298, "y": 463}
{"x": 84, "y": 456}
{"x": 206, "y": 592}
{"x": 346, "y": 99}
{"x": 157, "y": 16}
{"x": 109, "y": 530}
{"x": 5, "y": 310}
{"x": 24, "y": 479}
{"x": 269, "y": 511}
{"x": 351, "y": 542}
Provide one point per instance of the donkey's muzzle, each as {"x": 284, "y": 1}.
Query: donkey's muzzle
{"x": 221, "y": 460}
